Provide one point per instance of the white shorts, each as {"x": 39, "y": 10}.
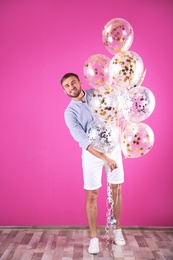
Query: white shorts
{"x": 93, "y": 166}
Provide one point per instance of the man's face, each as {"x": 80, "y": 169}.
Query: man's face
{"x": 72, "y": 87}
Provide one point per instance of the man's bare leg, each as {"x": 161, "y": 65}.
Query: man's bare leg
{"x": 92, "y": 211}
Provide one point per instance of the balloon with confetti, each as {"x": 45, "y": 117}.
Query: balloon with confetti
{"x": 138, "y": 104}
{"x": 137, "y": 140}
{"x": 105, "y": 104}
{"x": 102, "y": 137}
{"x": 117, "y": 35}
{"x": 126, "y": 69}
{"x": 96, "y": 70}
{"x": 141, "y": 79}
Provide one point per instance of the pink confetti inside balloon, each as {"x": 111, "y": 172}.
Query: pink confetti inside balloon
{"x": 138, "y": 104}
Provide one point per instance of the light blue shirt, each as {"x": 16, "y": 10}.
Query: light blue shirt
{"x": 78, "y": 117}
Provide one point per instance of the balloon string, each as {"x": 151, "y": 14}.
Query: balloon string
{"x": 111, "y": 222}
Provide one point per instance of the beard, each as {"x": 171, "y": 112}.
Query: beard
{"x": 75, "y": 93}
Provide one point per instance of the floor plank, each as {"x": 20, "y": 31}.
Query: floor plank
{"x": 68, "y": 244}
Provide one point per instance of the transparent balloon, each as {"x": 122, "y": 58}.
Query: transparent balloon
{"x": 138, "y": 104}
{"x": 141, "y": 79}
{"x": 105, "y": 104}
{"x": 96, "y": 70}
{"x": 117, "y": 35}
{"x": 126, "y": 69}
{"x": 121, "y": 123}
{"x": 137, "y": 140}
{"x": 102, "y": 137}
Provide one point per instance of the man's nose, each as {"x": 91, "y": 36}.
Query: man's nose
{"x": 71, "y": 86}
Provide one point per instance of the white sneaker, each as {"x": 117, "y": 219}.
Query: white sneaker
{"x": 94, "y": 246}
{"x": 119, "y": 239}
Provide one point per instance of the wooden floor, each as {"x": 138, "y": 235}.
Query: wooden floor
{"x": 66, "y": 244}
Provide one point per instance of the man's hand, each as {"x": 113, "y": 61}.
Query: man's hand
{"x": 110, "y": 162}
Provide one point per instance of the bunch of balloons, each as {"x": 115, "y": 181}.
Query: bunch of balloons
{"x": 119, "y": 100}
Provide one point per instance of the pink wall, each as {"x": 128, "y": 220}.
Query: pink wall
{"x": 40, "y": 167}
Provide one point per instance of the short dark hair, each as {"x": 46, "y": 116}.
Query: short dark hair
{"x": 67, "y": 75}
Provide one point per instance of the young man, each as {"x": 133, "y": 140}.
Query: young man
{"x": 78, "y": 117}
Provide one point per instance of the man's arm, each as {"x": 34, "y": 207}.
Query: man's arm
{"x": 80, "y": 136}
